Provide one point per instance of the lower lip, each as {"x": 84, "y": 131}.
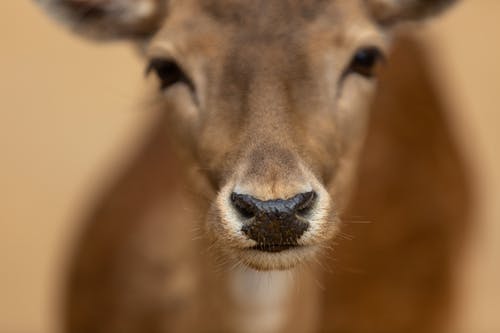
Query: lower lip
{"x": 273, "y": 248}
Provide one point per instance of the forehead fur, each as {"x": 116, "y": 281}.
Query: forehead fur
{"x": 270, "y": 19}
{"x": 260, "y": 12}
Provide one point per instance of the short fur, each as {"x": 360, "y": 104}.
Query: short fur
{"x": 272, "y": 111}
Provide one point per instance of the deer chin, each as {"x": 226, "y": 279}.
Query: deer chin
{"x": 277, "y": 260}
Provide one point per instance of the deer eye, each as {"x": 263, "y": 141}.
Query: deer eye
{"x": 168, "y": 72}
{"x": 365, "y": 61}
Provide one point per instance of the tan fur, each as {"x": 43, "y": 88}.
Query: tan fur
{"x": 272, "y": 114}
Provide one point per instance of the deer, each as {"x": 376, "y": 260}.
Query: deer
{"x": 234, "y": 216}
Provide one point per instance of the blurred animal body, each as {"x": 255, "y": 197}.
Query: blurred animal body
{"x": 229, "y": 219}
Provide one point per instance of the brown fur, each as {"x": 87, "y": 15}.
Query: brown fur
{"x": 271, "y": 114}
{"x": 393, "y": 271}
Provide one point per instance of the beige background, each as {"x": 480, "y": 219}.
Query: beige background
{"x": 70, "y": 113}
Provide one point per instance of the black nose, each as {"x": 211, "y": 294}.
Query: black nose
{"x": 274, "y": 224}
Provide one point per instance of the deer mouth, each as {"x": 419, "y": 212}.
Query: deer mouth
{"x": 273, "y": 248}
{"x": 266, "y": 257}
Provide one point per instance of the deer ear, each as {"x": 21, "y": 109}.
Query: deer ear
{"x": 109, "y": 19}
{"x": 392, "y": 11}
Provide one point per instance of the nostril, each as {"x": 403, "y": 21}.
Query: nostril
{"x": 305, "y": 202}
{"x": 243, "y": 205}
{"x": 249, "y": 207}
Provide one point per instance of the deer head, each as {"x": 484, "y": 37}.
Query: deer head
{"x": 269, "y": 97}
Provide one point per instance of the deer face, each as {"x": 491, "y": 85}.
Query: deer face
{"x": 271, "y": 98}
